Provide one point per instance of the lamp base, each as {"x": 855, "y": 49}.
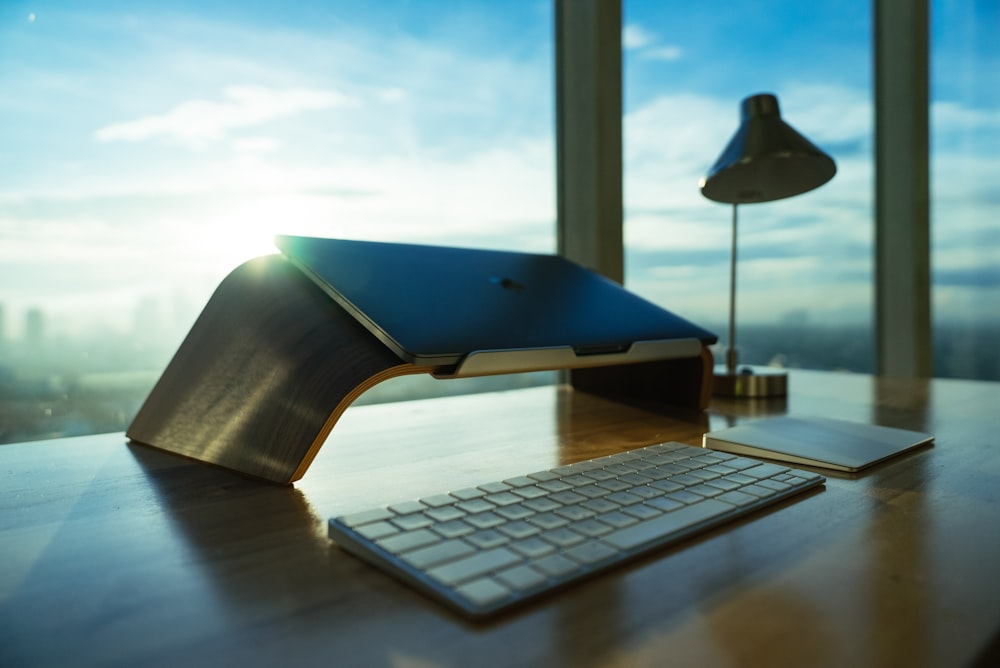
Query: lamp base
{"x": 749, "y": 383}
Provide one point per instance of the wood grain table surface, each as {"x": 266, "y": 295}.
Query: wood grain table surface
{"x": 118, "y": 554}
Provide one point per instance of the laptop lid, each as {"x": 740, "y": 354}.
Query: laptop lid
{"x": 475, "y": 312}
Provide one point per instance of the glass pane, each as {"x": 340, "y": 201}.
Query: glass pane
{"x": 804, "y": 279}
{"x": 965, "y": 187}
{"x": 149, "y": 148}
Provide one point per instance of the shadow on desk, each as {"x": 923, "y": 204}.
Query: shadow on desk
{"x": 273, "y": 587}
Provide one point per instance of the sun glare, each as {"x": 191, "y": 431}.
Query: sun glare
{"x": 248, "y": 231}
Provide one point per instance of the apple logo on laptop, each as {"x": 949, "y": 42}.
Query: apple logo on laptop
{"x": 508, "y": 284}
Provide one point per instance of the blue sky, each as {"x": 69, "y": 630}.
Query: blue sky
{"x": 149, "y": 148}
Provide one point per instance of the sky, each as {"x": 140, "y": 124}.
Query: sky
{"x": 146, "y": 149}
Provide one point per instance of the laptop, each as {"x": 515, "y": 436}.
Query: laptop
{"x": 472, "y": 312}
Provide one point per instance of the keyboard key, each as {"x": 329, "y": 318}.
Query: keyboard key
{"x": 484, "y": 520}
{"x": 454, "y": 528}
{"x": 444, "y": 513}
{"x": 725, "y": 484}
{"x": 494, "y": 487}
{"x": 521, "y": 577}
{"x": 519, "y": 529}
{"x": 563, "y": 537}
{"x": 503, "y": 498}
{"x": 531, "y": 492}
{"x": 488, "y": 538}
{"x": 438, "y": 500}
{"x": 364, "y": 517}
{"x": 685, "y": 496}
{"x": 474, "y": 565}
{"x": 548, "y": 521}
{"x": 666, "y": 485}
{"x": 591, "y": 552}
{"x": 557, "y": 565}
{"x": 591, "y": 527}
{"x": 641, "y": 511}
{"x": 757, "y": 490}
{"x": 614, "y": 485}
{"x": 624, "y": 498}
{"x": 665, "y": 503}
{"x": 408, "y": 540}
{"x": 635, "y": 479}
{"x": 658, "y": 528}
{"x": 516, "y": 512}
{"x": 468, "y": 493}
{"x": 705, "y": 490}
{"x": 407, "y": 507}
{"x": 414, "y": 521}
{"x": 617, "y": 519}
{"x": 764, "y": 470}
{"x": 774, "y": 484}
{"x": 520, "y": 481}
{"x": 686, "y": 479}
{"x": 737, "y": 498}
{"x": 542, "y": 505}
{"x": 532, "y": 547}
{"x": 575, "y": 513}
{"x": 567, "y": 497}
{"x": 475, "y": 505}
{"x": 646, "y": 492}
{"x": 600, "y": 505}
{"x": 600, "y": 474}
{"x": 433, "y": 555}
{"x": 376, "y": 530}
{"x": 554, "y": 485}
{"x": 578, "y": 480}
{"x": 484, "y": 592}
{"x": 592, "y": 491}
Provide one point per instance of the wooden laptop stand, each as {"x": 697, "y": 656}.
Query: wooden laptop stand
{"x": 272, "y": 363}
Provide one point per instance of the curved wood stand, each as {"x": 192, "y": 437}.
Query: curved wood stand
{"x": 272, "y": 363}
{"x": 264, "y": 374}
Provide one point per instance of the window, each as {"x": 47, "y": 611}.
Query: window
{"x": 965, "y": 143}
{"x": 804, "y": 279}
{"x": 150, "y": 148}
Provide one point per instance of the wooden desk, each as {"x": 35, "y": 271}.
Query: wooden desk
{"x": 121, "y": 555}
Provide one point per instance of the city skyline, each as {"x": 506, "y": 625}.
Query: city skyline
{"x": 148, "y": 176}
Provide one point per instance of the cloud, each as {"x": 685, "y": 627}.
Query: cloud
{"x": 828, "y": 113}
{"x": 949, "y": 114}
{"x": 665, "y": 53}
{"x": 197, "y": 123}
{"x": 392, "y": 95}
{"x": 256, "y": 144}
{"x": 635, "y": 36}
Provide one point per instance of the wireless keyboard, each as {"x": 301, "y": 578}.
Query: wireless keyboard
{"x": 483, "y": 549}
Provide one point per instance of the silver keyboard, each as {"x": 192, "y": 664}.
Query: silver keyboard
{"x": 483, "y": 549}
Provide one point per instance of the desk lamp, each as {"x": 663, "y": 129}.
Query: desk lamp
{"x": 765, "y": 160}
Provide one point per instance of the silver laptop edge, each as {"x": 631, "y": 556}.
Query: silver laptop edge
{"x": 487, "y": 362}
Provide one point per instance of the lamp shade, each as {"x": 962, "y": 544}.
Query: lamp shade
{"x": 766, "y": 159}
